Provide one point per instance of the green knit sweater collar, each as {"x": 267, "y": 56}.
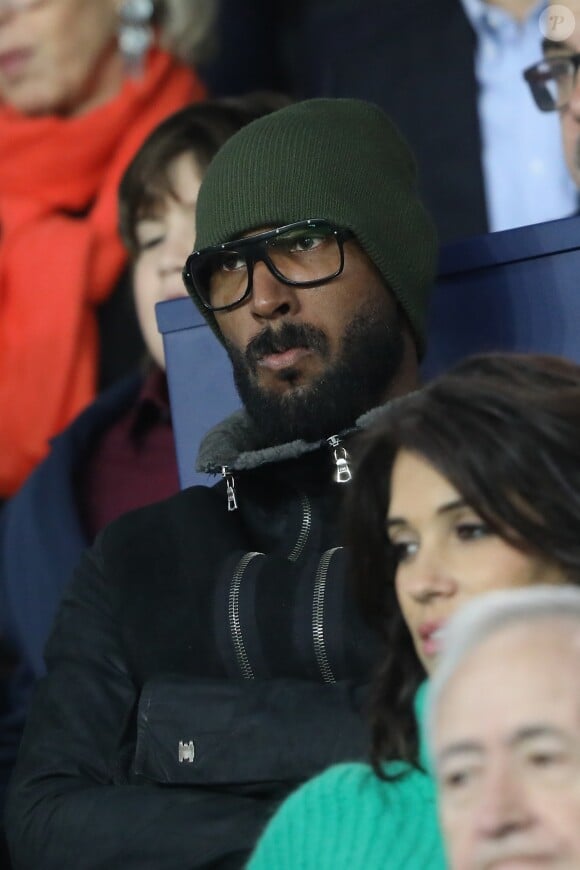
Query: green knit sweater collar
{"x": 420, "y": 701}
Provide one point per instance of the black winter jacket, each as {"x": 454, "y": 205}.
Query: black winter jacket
{"x": 203, "y": 664}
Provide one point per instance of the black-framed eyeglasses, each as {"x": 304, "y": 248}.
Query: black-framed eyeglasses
{"x": 551, "y": 81}
{"x": 307, "y": 253}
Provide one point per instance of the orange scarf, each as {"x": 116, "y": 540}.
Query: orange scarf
{"x": 60, "y": 253}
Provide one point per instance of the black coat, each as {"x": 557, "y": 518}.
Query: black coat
{"x": 41, "y": 540}
{"x": 203, "y": 664}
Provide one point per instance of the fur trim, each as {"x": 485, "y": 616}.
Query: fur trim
{"x": 235, "y": 442}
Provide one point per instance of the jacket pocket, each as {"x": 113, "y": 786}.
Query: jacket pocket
{"x": 222, "y": 733}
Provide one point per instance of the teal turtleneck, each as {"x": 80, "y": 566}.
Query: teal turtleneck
{"x": 349, "y": 819}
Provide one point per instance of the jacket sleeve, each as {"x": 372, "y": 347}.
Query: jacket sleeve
{"x": 15, "y": 680}
{"x": 104, "y": 776}
{"x": 70, "y": 803}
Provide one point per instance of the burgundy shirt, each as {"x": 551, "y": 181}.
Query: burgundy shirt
{"x": 134, "y": 462}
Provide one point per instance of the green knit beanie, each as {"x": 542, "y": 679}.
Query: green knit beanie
{"x": 338, "y": 159}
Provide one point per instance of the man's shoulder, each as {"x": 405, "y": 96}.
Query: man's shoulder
{"x": 356, "y": 780}
{"x": 186, "y": 517}
{"x": 184, "y": 503}
{"x": 334, "y": 790}
{"x": 349, "y": 817}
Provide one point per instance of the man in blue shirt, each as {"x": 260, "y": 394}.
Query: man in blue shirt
{"x": 449, "y": 73}
{"x": 554, "y": 81}
{"x": 524, "y": 171}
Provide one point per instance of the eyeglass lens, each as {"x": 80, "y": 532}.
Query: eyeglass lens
{"x": 554, "y": 82}
{"x": 300, "y": 255}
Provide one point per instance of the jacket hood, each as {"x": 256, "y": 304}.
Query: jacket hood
{"x": 235, "y": 443}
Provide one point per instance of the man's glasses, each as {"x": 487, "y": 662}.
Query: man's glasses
{"x": 303, "y": 254}
{"x": 552, "y": 80}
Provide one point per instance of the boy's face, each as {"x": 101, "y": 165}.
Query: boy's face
{"x": 165, "y": 237}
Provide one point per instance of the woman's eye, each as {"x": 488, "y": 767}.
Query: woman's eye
{"x": 404, "y": 550}
{"x": 472, "y": 530}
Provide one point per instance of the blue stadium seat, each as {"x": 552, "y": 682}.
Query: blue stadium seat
{"x": 514, "y": 290}
{"x": 201, "y": 386}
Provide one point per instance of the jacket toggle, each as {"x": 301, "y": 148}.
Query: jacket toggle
{"x": 230, "y": 488}
{"x": 342, "y": 473}
{"x": 341, "y": 459}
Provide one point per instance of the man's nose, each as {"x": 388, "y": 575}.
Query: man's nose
{"x": 271, "y": 298}
{"x": 502, "y": 807}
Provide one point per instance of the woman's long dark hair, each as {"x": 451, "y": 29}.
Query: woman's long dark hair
{"x": 504, "y": 429}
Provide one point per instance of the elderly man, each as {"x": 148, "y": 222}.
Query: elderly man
{"x": 504, "y": 716}
{"x": 208, "y": 657}
{"x": 553, "y": 81}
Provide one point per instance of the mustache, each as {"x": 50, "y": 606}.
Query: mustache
{"x": 286, "y": 337}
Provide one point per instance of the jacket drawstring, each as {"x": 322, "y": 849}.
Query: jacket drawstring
{"x": 230, "y": 487}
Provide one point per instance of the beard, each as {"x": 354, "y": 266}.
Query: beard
{"x": 370, "y": 355}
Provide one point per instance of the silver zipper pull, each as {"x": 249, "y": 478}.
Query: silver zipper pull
{"x": 230, "y": 487}
{"x": 343, "y": 473}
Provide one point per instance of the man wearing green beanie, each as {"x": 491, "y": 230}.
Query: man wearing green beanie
{"x": 325, "y": 319}
{"x": 209, "y": 656}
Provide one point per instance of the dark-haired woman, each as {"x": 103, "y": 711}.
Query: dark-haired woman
{"x": 469, "y": 485}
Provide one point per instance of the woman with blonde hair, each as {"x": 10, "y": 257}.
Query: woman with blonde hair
{"x": 81, "y": 85}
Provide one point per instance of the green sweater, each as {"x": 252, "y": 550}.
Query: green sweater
{"x": 348, "y": 819}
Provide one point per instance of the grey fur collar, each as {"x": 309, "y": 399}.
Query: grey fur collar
{"x": 232, "y": 443}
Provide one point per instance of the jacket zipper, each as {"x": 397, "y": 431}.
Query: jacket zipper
{"x": 230, "y": 488}
{"x": 342, "y": 474}
{"x": 318, "y": 616}
{"x": 234, "y": 615}
{"x": 234, "y": 598}
{"x": 304, "y": 532}
{"x": 341, "y": 459}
